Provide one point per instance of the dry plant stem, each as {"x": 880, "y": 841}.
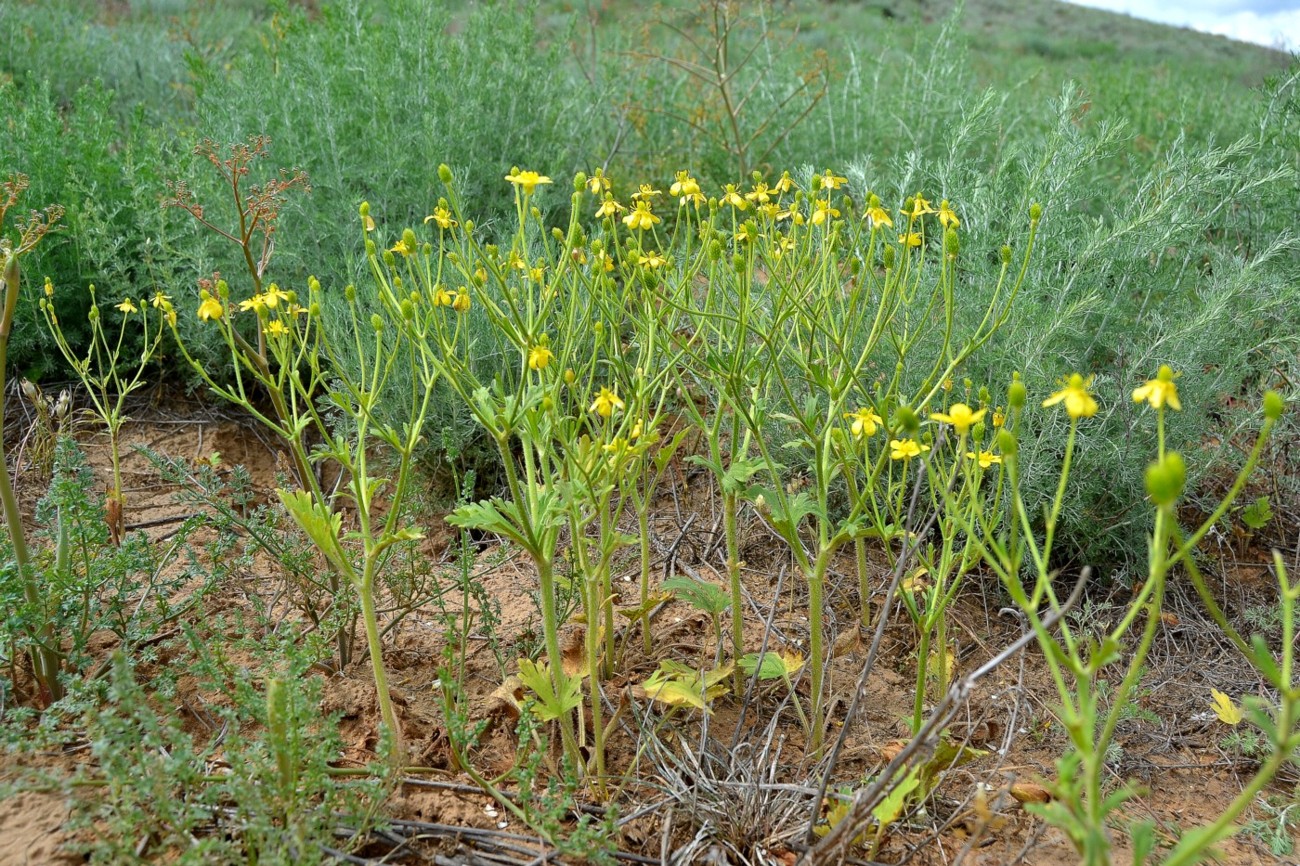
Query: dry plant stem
{"x": 44, "y": 656}
{"x": 834, "y": 846}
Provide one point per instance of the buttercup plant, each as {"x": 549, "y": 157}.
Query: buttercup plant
{"x": 1090, "y": 710}
{"x": 41, "y": 642}
{"x": 107, "y": 378}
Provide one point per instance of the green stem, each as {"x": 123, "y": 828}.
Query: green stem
{"x": 365, "y": 592}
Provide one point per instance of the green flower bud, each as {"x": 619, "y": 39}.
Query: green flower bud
{"x": 977, "y": 433}
{"x": 579, "y": 181}
{"x": 350, "y": 293}
{"x": 1007, "y": 443}
{"x": 547, "y": 403}
{"x": 816, "y": 182}
{"x": 1016, "y": 393}
{"x": 376, "y": 322}
{"x": 951, "y": 243}
{"x": 469, "y": 226}
{"x": 427, "y": 249}
{"x": 569, "y": 376}
{"x": 905, "y": 418}
{"x": 223, "y": 290}
{"x": 855, "y": 266}
{"x": 94, "y": 314}
{"x": 313, "y": 284}
{"x": 365, "y": 209}
{"x": 1166, "y": 479}
{"x": 888, "y": 257}
{"x": 984, "y": 395}
{"x": 557, "y": 233}
{"x": 715, "y": 250}
{"x": 738, "y": 262}
{"x": 1035, "y": 212}
{"x": 1273, "y": 405}
{"x": 314, "y": 309}
{"x": 536, "y": 212}
{"x": 444, "y": 173}
{"x": 1006, "y": 254}
{"x": 408, "y": 309}
{"x": 598, "y": 328}
{"x": 873, "y": 200}
{"x": 370, "y": 248}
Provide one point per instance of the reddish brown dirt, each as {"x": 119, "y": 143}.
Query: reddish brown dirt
{"x": 1175, "y": 755}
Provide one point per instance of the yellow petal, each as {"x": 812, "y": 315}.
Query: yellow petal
{"x": 1227, "y": 711}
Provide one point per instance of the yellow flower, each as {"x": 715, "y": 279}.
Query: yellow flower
{"x": 999, "y": 417}
{"x": 830, "y": 180}
{"x": 1160, "y": 391}
{"x": 960, "y": 416}
{"x": 911, "y": 239}
{"x": 920, "y": 207}
{"x": 539, "y": 357}
{"x": 276, "y": 328}
{"x": 822, "y": 210}
{"x": 442, "y": 217}
{"x": 606, "y": 261}
{"x": 161, "y": 302}
{"x": 49, "y": 288}
{"x": 401, "y": 248}
{"x": 210, "y": 309}
{"x": 1078, "y": 402}
{"x": 274, "y": 295}
{"x": 784, "y": 244}
{"x": 608, "y": 208}
{"x": 865, "y": 422}
{"x": 527, "y": 180}
{"x": 879, "y": 217}
{"x": 732, "y": 197}
{"x": 641, "y": 218}
{"x": 462, "y": 302}
{"x": 127, "y": 306}
{"x": 368, "y": 222}
{"x": 646, "y": 192}
{"x": 652, "y": 260}
{"x": 986, "y": 458}
{"x": 905, "y": 449}
{"x": 771, "y": 210}
{"x": 606, "y": 402}
{"x": 947, "y": 216}
{"x": 686, "y": 188}
{"x": 785, "y": 184}
{"x": 598, "y": 183}
{"x": 256, "y": 303}
{"x": 442, "y": 297}
{"x": 760, "y": 193}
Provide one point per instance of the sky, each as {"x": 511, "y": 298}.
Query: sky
{"x": 1275, "y": 23}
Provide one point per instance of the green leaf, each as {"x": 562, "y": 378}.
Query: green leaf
{"x": 1257, "y": 514}
{"x": 550, "y": 704}
{"x": 320, "y": 524}
{"x": 708, "y": 597}
{"x": 770, "y": 665}
{"x": 888, "y": 809}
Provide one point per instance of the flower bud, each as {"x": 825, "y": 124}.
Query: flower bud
{"x": 715, "y": 250}
{"x": 30, "y": 391}
{"x": 314, "y": 310}
{"x": 1016, "y": 393}
{"x": 370, "y": 248}
{"x": 569, "y": 376}
{"x": 855, "y": 266}
{"x": 579, "y": 181}
{"x": 738, "y": 262}
{"x": 364, "y": 209}
{"x": 1007, "y": 443}
{"x": 977, "y": 433}
{"x": 376, "y": 322}
{"x": 951, "y": 243}
{"x": 1035, "y": 212}
{"x": 888, "y": 257}
{"x": 598, "y": 328}
{"x": 313, "y": 284}
{"x": 63, "y": 403}
{"x": 444, "y": 173}
{"x": 408, "y": 309}
{"x": 906, "y": 419}
{"x": 350, "y": 293}
{"x": 1006, "y": 254}
{"x": 390, "y": 259}
{"x": 1166, "y": 479}
{"x": 1273, "y": 405}
{"x": 547, "y": 403}
{"x": 469, "y": 226}
{"x": 223, "y": 290}
{"x": 427, "y": 249}
{"x": 94, "y": 314}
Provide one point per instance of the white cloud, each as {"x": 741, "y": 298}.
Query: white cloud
{"x": 1275, "y": 23}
